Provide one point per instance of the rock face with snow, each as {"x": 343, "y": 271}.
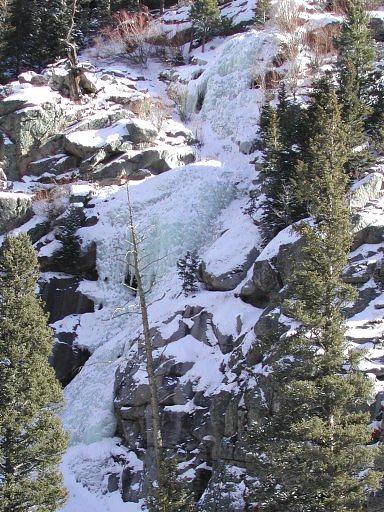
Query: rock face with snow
{"x": 209, "y": 360}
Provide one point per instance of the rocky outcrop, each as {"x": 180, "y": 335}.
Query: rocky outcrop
{"x": 138, "y": 164}
{"x": 271, "y": 272}
{"x": 84, "y": 266}
{"x": 228, "y": 280}
{"x": 84, "y": 143}
{"x": 62, "y": 298}
{"x": 192, "y": 420}
{"x": 67, "y": 358}
{"x": 28, "y": 119}
{"x": 367, "y": 189}
{"x": 57, "y": 164}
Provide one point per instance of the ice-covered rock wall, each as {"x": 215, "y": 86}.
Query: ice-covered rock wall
{"x": 225, "y": 93}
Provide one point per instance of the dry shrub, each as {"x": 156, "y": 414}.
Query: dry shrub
{"x": 341, "y": 6}
{"x": 321, "y": 43}
{"x": 322, "y": 40}
{"x": 178, "y": 93}
{"x": 139, "y": 37}
{"x": 154, "y": 110}
{"x": 128, "y": 33}
{"x": 51, "y": 202}
{"x": 290, "y": 49}
{"x": 286, "y": 14}
{"x": 272, "y": 79}
{"x": 279, "y": 59}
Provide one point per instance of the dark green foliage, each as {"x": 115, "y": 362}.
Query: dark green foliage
{"x": 171, "y": 495}
{"x": 310, "y": 451}
{"x": 355, "y": 63}
{"x": 34, "y": 34}
{"x": 326, "y": 145}
{"x": 50, "y": 36}
{"x": 281, "y": 140}
{"x": 375, "y": 121}
{"x": 205, "y": 18}
{"x": 262, "y": 11}
{"x": 187, "y": 270}
{"x": 32, "y": 440}
{"x": 68, "y": 255}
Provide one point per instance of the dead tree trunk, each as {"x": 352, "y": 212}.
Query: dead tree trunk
{"x": 147, "y": 338}
{"x": 75, "y": 71}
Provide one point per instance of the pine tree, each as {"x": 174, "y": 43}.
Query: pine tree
{"x": 281, "y": 140}
{"x": 68, "y": 254}
{"x": 4, "y": 29}
{"x": 310, "y": 452}
{"x": 34, "y": 36}
{"x": 50, "y": 36}
{"x": 32, "y": 440}
{"x": 187, "y": 270}
{"x": 375, "y": 121}
{"x": 18, "y": 39}
{"x": 324, "y": 126}
{"x": 262, "y": 11}
{"x": 172, "y": 495}
{"x": 205, "y": 18}
{"x": 355, "y": 63}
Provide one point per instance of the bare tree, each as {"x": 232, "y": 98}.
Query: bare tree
{"x": 75, "y": 70}
{"x": 171, "y": 495}
{"x": 135, "y": 265}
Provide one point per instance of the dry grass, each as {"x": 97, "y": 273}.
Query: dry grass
{"x": 286, "y": 14}
{"x": 178, "y": 94}
{"x": 155, "y": 111}
{"x": 137, "y": 36}
{"x": 51, "y": 202}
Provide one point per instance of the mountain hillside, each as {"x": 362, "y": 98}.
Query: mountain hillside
{"x": 185, "y": 136}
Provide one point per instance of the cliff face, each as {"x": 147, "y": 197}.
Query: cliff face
{"x": 60, "y": 157}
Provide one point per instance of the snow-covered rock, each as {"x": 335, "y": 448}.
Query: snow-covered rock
{"x": 367, "y": 189}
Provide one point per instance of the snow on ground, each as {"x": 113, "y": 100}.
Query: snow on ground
{"x": 194, "y": 207}
{"x": 82, "y": 465}
{"x": 26, "y": 93}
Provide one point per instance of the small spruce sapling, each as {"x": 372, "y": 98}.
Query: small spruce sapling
{"x": 187, "y": 270}
{"x": 262, "y": 11}
{"x": 68, "y": 254}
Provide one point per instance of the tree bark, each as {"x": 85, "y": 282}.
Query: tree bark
{"x": 75, "y": 71}
{"x": 155, "y": 409}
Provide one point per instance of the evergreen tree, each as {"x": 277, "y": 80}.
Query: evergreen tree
{"x": 53, "y": 16}
{"x": 262, "y": 11}
{"x": 68, "y": 254}
{"x": 18, "y": 39}
{"x": 310, "y": 452}
{"x": 34, "y": 35}
{"x": 355, "y": 62}
{"x": 281, "y": 140}
{"x": 187, "y": 270}
{"x": 375, "y": 121}
{"x": 205, "y": 18}
{"x": 4, "y": 20}
{"x": 172, "y": 495}
{"x": 324, "y": 127}
{"x": 32, "y": 440}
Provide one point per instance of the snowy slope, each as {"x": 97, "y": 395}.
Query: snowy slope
{"x": 194, "y": 207}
